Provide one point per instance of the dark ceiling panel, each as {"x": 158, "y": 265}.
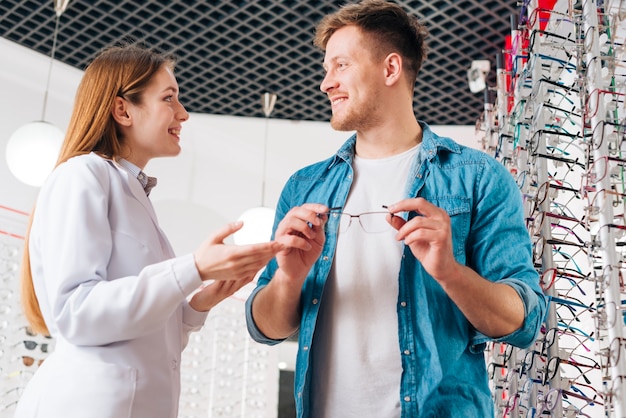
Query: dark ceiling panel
{"x": 230, "y": 52}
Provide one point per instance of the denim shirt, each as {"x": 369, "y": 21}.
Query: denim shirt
{"x": 444, "y": 369}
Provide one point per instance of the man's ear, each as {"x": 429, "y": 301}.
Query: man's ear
{"x": 120, "y": 112}
{"x": 393, "y": 68}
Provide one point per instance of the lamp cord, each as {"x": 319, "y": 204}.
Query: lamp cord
{"x": 54, "y": 46}
{"x": 264, "y": 162}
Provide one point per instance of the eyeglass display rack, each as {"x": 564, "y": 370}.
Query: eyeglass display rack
{"x": 21, "y": 350}
{"x": 558, "y": 124}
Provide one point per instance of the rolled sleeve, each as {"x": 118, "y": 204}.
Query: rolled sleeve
{"x": 535, "y": 307}
{"x": 253, "y": 330}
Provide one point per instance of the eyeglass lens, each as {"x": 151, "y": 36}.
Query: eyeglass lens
{"x": 371, "y": 222}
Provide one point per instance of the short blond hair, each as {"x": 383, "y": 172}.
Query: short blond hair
{"x": 388, "y": 26}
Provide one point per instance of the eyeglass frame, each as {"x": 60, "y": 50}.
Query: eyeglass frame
{"x": 337, "y": 211}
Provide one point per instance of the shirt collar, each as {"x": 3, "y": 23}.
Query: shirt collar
{"x": 130, "y": 167}
{"x": 146, "y": 181}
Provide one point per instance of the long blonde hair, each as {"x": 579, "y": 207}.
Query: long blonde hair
{"x": 123, "y": 71}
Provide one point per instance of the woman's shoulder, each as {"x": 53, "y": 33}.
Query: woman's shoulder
{"x": 86, "y": 163}
{"x": 84, "y": 169}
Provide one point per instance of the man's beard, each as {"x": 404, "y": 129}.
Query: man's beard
{"x": 357, "y": 117}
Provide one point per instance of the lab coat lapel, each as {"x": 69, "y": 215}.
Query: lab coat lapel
{"x": 139, "y": 193}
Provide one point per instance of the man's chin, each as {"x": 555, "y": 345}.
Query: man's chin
{"x": 340, "y": 125}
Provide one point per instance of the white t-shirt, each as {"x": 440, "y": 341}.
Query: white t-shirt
{"x": 356, "y": 354}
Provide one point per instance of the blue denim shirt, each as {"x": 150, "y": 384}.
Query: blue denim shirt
{"x": 444, "y": 372}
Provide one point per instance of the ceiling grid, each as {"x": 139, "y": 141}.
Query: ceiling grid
{"x": 230, "y": 52}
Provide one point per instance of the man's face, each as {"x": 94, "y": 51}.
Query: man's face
{"x": 352, "y": 80}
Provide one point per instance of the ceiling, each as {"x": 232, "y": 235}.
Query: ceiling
{"x": 231, "y": 52}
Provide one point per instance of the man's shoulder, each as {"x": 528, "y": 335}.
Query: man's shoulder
{"x": 315, "y": 169}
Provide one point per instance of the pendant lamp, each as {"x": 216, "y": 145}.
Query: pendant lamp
{"x": 258, "y": 221}
{"x": 33, "y": 149}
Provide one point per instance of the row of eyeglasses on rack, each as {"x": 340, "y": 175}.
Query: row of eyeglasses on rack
{"x": 549, "y": 144}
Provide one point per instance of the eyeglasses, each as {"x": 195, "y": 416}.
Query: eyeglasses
{"x": 28, "y": 361}
{"x": 554, "y": 363}
{"x": 371, "y": 222}
{"x": 551, "y": 336}
{"x": 612, "y": 101}
{"x": 550, "y": 400}
{"x": 556, "y": 221}
{"x": 612, "y": 131}
{"x": 598, "y": 169}
{"x": 529, "y": 361}
{"x": 614, "y": 390}
{"x": 491, "y": 369}
{"x": 608, "y": 313}
{"x": 607, "y": 276}
{"x": 31, "y": 345}
{"x": 598, "y": 201}
{"x": 555, "y": 245}
{"x": 511, "y": 404}
{"x": 552, "y": 189}
{"x": 551, "y": 40}
{"x": 572, "y": 310}
{"x": 563, "y": 97}
{"x": 615, "y": 348}
{"x": 549, "y": 275}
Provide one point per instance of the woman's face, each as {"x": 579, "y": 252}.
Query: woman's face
{"x": 155, "y": 124}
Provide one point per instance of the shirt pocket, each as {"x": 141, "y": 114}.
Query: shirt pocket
{"x": 459, "y": 210}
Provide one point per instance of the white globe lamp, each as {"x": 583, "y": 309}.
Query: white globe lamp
{"x": 33, "y": 149}
{"x": 257, "y": 226}
{"x": 32, "y": 152}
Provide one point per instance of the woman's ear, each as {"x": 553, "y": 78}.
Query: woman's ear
{"x": 120, "y": 111}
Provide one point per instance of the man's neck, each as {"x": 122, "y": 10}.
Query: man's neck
{"x": 388, "y": 140}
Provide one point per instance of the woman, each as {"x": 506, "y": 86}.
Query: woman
{"x": 99, "y": 275}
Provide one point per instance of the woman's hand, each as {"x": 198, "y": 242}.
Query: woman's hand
{"x": 218, "y": 261}
{"x": 213, "y": 293}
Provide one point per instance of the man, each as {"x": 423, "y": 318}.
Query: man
{"x": 393, "y": 323}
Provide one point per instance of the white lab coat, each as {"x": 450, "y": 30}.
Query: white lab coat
{"x": 113, "y": 297}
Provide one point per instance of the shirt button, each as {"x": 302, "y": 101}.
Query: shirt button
{"x": 407, "y": 352}
{"x": 314, "y": 301}
{"x": 419, "y": 176}
{"x": 325, "y": 258}
{"x": 403, "y": 304}
{"x": 305, "y": 348}
{"x": 407, "y": 399}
